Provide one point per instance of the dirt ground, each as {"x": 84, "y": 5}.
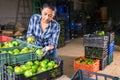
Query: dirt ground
{"x": 75, "y": 48}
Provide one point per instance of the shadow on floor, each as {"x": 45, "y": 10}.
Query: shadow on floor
{"x": 68, "y": 65}
{"x": 117, "y": 48}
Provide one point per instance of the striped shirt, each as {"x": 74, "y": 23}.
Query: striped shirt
{"x": 48, "y": 37}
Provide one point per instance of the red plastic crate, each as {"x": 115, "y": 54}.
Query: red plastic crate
{"x": 5, "y": 38}
{"x": 90, "y": 67}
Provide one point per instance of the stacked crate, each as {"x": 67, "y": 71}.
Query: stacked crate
{"x": 7, "y": 57}
{"x": 110, "y": 46}
{"x": 18, "y": 58}
{"x": 61, "y": 41}
{"x": 49, "y": 73}
{"x": 99, "y": 47}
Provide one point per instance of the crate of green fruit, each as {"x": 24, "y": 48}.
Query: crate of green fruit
{"x": 84, "y": 63}
{"x": 95, "y": 52}
{"x": 18, "y": 54}
{"x": 12, "y": 43}
{"x": 46, "y": 69}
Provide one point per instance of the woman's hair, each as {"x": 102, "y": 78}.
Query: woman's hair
{"x": 49, "y": 5}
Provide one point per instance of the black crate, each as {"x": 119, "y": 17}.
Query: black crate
{"x": 95, "y": 52}
{"x": 111, "y": 36}
{"x": 47, "y": 75}
{"x": 95, "y": 41}
{"x": 79, "y": 75}
{"x": 117, "y": 40}
{"x": 103, "y": 62}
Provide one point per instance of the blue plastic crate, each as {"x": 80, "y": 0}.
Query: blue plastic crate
{"x": 111, "y": 48}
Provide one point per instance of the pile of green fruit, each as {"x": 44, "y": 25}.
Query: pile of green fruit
{"x": 85, "y": 61}
{"x": 18, "y": 51}
{"x": 32, "y": 67}
{"x": 101, "y": 33}
{"x": 9, "y": 44}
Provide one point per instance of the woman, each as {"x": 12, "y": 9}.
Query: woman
{"x": 45, "y": 29}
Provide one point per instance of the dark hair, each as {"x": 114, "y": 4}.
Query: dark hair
{"x": 49, "y": 5}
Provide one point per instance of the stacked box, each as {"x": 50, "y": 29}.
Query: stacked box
{"x": 46, "y": 75}
{"x": 103, "y": 62}
{"x": 100, "y": 47}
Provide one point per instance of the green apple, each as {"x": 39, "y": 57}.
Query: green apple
{"x": 39, "y": 52}
{"x": 15, "y": 43}
{"x": 16, "y": 51}
{"x": 30, "y": 39}
{"x": 28, "y": 73}
{"x": 25, "y": 50}
{"x": 51, "y": 64}
{"x": 17, "y": 70}
{"x": 103, "y": 33}
{"x": 10, "y": 67}
{"x": 10, "y": 51}
{"x": 30, "y": 63}
{"x": 36, "y": 62}
{"x": 10, "y": 44}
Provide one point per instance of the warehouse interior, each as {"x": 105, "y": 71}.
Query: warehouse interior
{"x": 76, "y": 18}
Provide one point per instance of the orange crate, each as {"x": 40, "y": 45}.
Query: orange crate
{"x": 90, "y": 67}
{"x": 5, "y": 38}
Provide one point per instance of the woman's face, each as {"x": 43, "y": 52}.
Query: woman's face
{"x": 47, "y": 14}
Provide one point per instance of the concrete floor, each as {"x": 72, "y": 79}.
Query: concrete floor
{"x": 75, "y": 48}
